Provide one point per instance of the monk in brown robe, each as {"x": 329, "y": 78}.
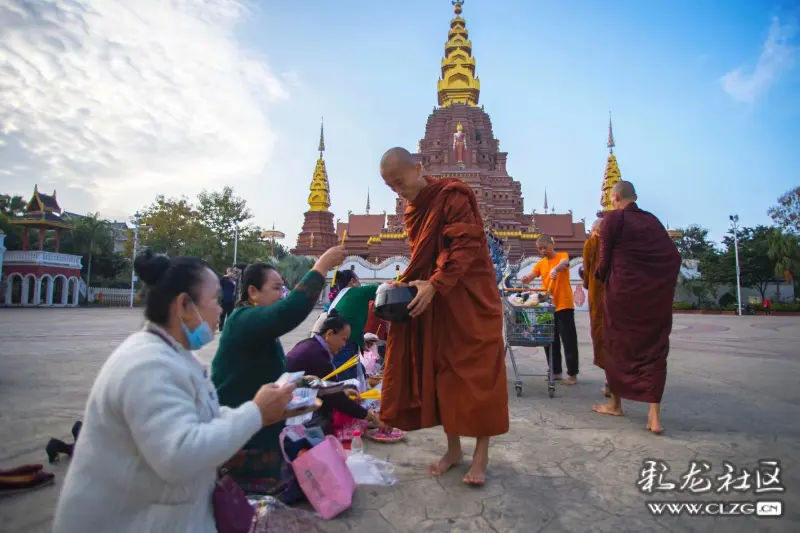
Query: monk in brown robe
{"x": 591, "y": 256}
{"x": 639, "y": 265}
{"x": 447, "y": 365}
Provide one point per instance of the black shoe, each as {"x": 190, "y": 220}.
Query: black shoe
{"x": 76, "y": 429}
{"x": 56, "y": 447}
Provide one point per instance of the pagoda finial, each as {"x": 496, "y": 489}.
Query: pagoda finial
{"x": 458, "y": 84}
{"x": 545, "y": 199}
{"x": 368, "y": 200}
{"x": 612, "y": 175}
{"x": 321, "y": 137}
{"x": 319, "y": 198}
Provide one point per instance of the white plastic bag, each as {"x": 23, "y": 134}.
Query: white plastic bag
{"x": 369, "y": 470}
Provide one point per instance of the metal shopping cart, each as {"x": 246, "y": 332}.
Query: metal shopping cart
{"x": 528, "y": 326}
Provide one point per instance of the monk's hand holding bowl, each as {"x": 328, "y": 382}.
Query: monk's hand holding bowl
{"x": 424, "y": 297}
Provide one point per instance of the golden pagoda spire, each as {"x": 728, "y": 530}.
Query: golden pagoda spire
{"x": 319, "y": 199}
{"x": 612, "y": 175}
{"x": 458, "y": 84}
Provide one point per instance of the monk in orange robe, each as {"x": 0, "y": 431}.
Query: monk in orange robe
{"x": 446, "y": 366}
{"x": 591, "y": 256}
{"x": 639, "y": 265}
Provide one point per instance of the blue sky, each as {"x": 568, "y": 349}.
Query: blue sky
{"x": 550, "y": 73}
{"x": 172, "y": 97}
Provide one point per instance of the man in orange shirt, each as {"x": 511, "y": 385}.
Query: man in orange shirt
{"x": 554, "y": 270}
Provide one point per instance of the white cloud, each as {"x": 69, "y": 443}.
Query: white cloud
{"x": 126, "y": 99}
{"x": 777, "y": 56}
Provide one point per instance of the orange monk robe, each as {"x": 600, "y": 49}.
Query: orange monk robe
{"x": 447, "y": 366}
{"x": 591, "y": 257}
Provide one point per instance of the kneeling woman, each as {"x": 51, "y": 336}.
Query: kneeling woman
{"x": 314, "y": 356}
{"x": 250, "y": 354}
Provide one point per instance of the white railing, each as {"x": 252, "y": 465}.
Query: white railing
{"x": 37, "y": 257}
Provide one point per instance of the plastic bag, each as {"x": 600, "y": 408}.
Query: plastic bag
{"x": 369, "y": 470}
{"x": 273, "y": 516}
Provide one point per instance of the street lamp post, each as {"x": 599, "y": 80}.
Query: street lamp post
{"x": 137, "y": 217}
{"x": 735, "y": 222}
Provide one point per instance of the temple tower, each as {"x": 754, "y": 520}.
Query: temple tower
{"x": 458, "y": 84}
{"x": 459, "y": 143}
{"x": 318, "y": 233}
{"x": 612, "y": 175}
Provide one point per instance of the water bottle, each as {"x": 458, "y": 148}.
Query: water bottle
{"x": 356, "y": 445}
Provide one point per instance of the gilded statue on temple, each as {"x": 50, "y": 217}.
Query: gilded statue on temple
{"x": 460, "y": 143}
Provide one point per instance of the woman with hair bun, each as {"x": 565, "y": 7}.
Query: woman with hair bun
{"x": 154, "y": 434}
{"x": 250, "y": 353}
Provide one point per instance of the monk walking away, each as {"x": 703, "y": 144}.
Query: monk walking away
{"x": 446, "y": 366}
{"x": 553, "y": 268}
{"x": 639, "y": 265}
{"x": 591, "y": 257}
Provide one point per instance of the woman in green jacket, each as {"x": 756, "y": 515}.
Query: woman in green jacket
{"x": 352, "y": 303}
{"x": 250, "y": 354}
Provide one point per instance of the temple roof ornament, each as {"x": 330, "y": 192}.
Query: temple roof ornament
{"x": 368, "y": 200}
{"x": 545, "y": 199}
{"x": 458, "y": 84}
{"x": 612, "y": 175}
{"x": 319, "y": 198}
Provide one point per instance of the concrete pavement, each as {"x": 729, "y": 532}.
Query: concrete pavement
{"x": 732, "y": 394}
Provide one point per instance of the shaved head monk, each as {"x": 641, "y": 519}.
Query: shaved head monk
{"x": 447, "y": 365}
{"x": 591, "y": 258}
{"x": 639, "y": 265}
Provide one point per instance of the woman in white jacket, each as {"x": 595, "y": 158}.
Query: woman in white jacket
{"x": 153, "y": 432}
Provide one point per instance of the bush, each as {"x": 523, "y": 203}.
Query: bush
{"x": 708, "y": 306}
{"x": 786, "y": 308}
{"x": 730, "y": 307}
{"x": 727, "y": 299}
{"x": 682, "y": 306}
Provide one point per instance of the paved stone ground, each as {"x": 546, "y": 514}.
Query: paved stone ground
{"x": 732, "y": 394}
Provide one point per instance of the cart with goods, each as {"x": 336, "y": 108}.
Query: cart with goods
{"x": 528, "y": 321}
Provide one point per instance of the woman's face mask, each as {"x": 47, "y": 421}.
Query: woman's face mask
{"x": 200, "y": 336}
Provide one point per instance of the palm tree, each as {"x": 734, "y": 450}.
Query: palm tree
{"x": 784, "y": 252}
{"x": 93, "y": 231}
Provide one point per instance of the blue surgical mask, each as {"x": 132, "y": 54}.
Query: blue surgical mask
{"x": 202, "y": 335}
{"x": 198, "y": 338}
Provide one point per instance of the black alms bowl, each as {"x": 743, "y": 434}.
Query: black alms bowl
{"x": 392, "y": 304}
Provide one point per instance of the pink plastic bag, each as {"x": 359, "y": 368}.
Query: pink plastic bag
{"x": 323, "y": 476}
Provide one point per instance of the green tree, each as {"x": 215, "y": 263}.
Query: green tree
{"x": 756, "y": 268}
{"x": 95, "y": 235}
{"x": 222, "y": 213}
{"x": 784, "y": 252}
{"x": 693, "y": 243}
{"x": 786, "y": 213}
{"x": 11, "y": 206}
{"x": 171, "y": 226}
{"x": 293, "y": 268}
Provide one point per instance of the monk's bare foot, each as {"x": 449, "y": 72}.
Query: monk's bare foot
{"x": 476, "y": 477}
{"x": 654, "y": 424}
{"x": 448, "y": 461}
{"x": 571, "y": 380}
{"x": 607, "y": 409}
